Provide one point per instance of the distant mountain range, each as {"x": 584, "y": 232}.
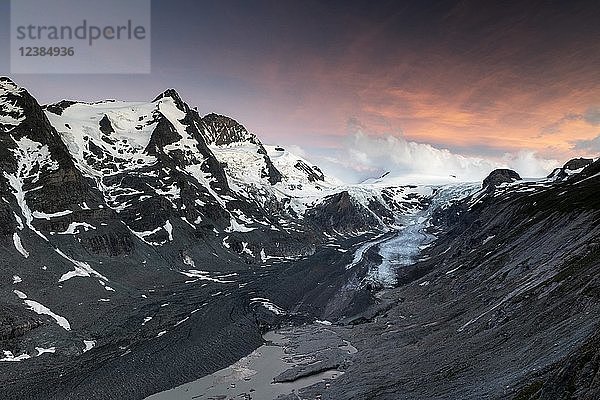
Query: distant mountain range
{"x": 144, "y": 245}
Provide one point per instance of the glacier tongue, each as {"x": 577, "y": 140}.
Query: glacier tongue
{"x": 404, "y": 247}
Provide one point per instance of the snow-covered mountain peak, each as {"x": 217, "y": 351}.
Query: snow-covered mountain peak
{"x": 297, "y": 170}
{"x": 572, "y": 167}
{"x": 173, "y": 95}
{"x": 8, "y": 86}
{"x": 11, "y": 114}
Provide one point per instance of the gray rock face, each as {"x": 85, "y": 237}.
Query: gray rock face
{"x": 574, "y": 377}
{"x": 576, "y": 164}
{"x": 590, "y": 171}
{"x": 58, "y": 108}
{"x": 498, "y": 177}
{"x": 341, "y": 213}
{"x": 222, "y": 130}
{"x": 314, "y": 173}
{"x": 13, "y": 326}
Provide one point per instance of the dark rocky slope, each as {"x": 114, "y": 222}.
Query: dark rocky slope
{"x": 504, "y": 305}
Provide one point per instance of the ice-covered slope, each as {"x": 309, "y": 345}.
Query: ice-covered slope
{"x": 154, "y": 155}
{"x": 255, "y": 170}
{"x": 111, "y": 139}
{"x": 115, "y": 131}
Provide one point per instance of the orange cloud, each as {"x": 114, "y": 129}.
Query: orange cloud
{"x": 497, "y": 96}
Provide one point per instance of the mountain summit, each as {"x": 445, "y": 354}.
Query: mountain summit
{"x": 144, "y": 246}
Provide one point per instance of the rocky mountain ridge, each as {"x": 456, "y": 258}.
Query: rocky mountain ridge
{"x": 144, "y": 245}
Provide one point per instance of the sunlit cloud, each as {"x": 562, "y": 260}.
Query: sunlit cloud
{"x": 363, "y": 156}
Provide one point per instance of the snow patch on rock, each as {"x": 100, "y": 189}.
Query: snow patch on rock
{"x": 43, "y": 310}
{"x": 19, "y": 245}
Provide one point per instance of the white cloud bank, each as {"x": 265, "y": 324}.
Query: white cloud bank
{"x": 364, "y": 156}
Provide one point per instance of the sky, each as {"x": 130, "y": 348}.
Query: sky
{"x": 418, "y": 88}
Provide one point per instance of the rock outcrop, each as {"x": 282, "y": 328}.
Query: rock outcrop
{"x": 498, "y": 177}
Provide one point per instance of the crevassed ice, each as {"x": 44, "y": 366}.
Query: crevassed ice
{"x": 403, "y": 249}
